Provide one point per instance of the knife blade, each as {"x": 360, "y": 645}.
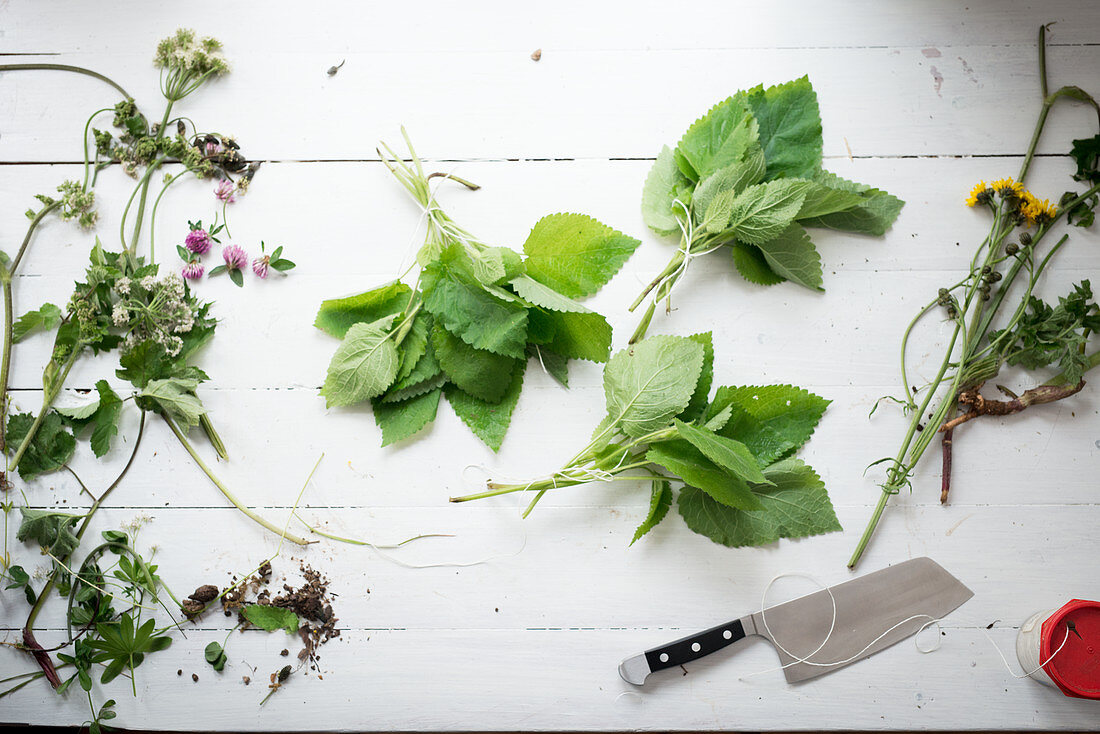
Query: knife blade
{"x": 873, "y": 612}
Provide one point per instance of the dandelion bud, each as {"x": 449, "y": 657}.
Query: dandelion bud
{"x": 1012, "y": 248}
{"x": 1025, "y": 239}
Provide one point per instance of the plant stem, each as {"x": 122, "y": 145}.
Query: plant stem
{"x": 65, "y": 67}
{"x": 225, "y": 490}
{"x": 41, "y": 656}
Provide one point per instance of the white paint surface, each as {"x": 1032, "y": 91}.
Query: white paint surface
{"x": 530, "y": 640}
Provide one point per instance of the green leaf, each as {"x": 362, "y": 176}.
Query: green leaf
{"x": 453, "y": 294}
{"x": 425, "y": 376}
{"x": 146, "y": 361}
{"x": 175, "y": 397}
{"x": 575, "y": 254}
{"x": 731, "y": 181}
{"x": 789, "y": 127}
{"x": 790, "y": 412}
{"x": 364, "y": 365}
{"x": 720, "y": 138}
{"x": 271, "y": 618}
{"x": 49, "y": 450}
{"x": 752, "y": 265}
{"x": 731, "y": 455}
{"x": 400, "y": 420}
{"x": 283, "y": 265}
{"x": 80, "y": 413}
{"x": 215, "y": 655}
{"x": 660, "y": 500}
{"x": 793, "y": 256}
{"x": 480, "y": 373}
{"x": 698, "y": 402}
{"x": 217, "y": 270}
{"x": 45, "y": 318}
{"x": 689, "y": 464}
{"x": 576, "y": 335}
{"x": 649, "y": 383}
{"x": 796, "y": 506}
{"x": 555, "y": 364}
{"x": 822, "y": 200}
{"x": 415, "y": 344}
{"x": 336, "y": 316}
{"x": 763, "y": 211}
{"x": 497, "y": 264}
{"x": 53, "y": 531}
{"x": 488, "y": 421}
{"x": 105, "y": 419}
{"x": 237, "y": 277}
{"x": 874, "y": 216}
{"x": 1086, "y": 154}
{"x": 664, "y": 185}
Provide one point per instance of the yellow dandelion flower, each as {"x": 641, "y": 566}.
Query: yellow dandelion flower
{"x": 1037, "y": 210}
{"x": 979, "y": 193}
{"x": 1006, "y": 186}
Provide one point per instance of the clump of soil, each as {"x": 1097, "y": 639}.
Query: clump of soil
{"x": 312, "y": 603}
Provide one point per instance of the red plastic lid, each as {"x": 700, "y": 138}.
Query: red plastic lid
{"x": 1076, "y": 667}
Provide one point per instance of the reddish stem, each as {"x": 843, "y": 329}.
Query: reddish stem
{"x": 945, "y": 485}
{"x": 30, "y": 644}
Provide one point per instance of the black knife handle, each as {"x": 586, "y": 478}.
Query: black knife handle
{"x": 693, "y": 647}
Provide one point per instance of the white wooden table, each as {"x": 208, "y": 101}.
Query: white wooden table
{"x": 920, "y": 98}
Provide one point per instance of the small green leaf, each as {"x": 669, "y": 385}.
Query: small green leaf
{"x": 793, "y": 256}
{"x": 105, "y": 419}
{"x": 575, "y": 254}
{"x": 364, "y": 365}
{"x": 791, "y": 413}
{"x": 659, "y": 501}
{"x": 731, "y": 455}
{"x": 237, "y": 277}
{"x": 337, "y": 315}
{"x": 283, "y": 265}
{"x": 488, "y": 421}
{"x": 789, "y": 127}
{"x": 649, "y": 383}
{"x": 480, "y": 373}
{"x": 271, "y": 618}
{"x": 400, "y": 420}
{"x": 874, "y": 216}
{"x": 53, "y": 531}
{"x": 45, "y": 318}
{"x": 217, "y": 270}
{"x": 50, "y": 449}
{"x": 763, "y": 211}
{"x": 666, "y": 195}
{"x": 497, "y": 264}
{"x": 689, "y": 464}
{"x": 795, "y": 506}
{"x": 752, "y": 265}
{"x": 720, "y": 138}
{"x": 175, "y": 397}
{"x": 698, "y": 402}
{"x": 727, "y": 182}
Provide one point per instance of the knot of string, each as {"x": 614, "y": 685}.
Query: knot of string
{"x": 687, "y": 232}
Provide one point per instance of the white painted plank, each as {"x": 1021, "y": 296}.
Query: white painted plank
{"x": 971, "y": 100}
{"x": 341, "y": 26}
{"x": 490, "y": 669}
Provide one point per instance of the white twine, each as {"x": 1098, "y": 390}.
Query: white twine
{"x": 1034, "y": 670}
{"x": 806, "y": 660}
{"x": 687, "y": 231}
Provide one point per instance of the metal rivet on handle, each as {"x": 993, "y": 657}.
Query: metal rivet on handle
{"x": 727, "y": 634}
{"x": 664, "y": 657}
{"x": 696, "y": 647}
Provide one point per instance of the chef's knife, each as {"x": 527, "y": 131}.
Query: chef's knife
{"x": 866, "y": 607}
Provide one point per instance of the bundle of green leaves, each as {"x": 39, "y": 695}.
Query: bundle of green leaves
{"x": 732, "y": 453}
{"x": 747, "y": 176}
{"x": 474, "y": 317}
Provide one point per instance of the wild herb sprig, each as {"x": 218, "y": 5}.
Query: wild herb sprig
{"x": 732, "y": 453}
{"x": 996, "y": 318}
{"x": 747, "y": 177}
{"x": 474, "y": 316}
